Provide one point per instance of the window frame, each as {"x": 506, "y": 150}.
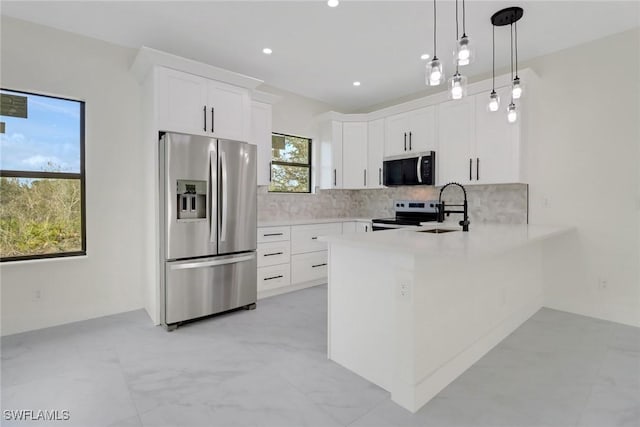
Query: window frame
{"x": 57, "y": 175}
{"x": 304, "y": 165}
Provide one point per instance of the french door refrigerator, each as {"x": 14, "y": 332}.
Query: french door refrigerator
{"x": 208, "y": 226}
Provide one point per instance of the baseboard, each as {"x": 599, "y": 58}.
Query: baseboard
{"x": 291, "y": 288}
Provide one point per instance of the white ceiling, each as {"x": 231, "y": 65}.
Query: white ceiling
{"x": 319, "y": 51}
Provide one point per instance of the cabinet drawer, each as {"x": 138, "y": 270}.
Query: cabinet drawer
{"x": 307, "y": 267}
{"x": 304, "y": 238}
{"x": 273, "y": 234}
{"x": 273, "y": 253}
{"x": 272, "y": 277}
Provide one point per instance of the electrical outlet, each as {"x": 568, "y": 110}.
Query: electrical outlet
{"x": 603, "y": 283}
{"x": 404, "y": 290}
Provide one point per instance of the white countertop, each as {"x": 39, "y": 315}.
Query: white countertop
{"x": 285, "y": 222}
{"x": 482, "y": 239}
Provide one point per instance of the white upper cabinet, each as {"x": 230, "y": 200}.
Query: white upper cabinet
{"x": 261, "y": 114}
{"x": 477, "y": 146}
{"x": 331, "y": 154}
{"x": 354, "y": 155}
{"x": 497, "y": 143}
{"x": 455, "y": 141}
{"x": 192, "y": 104}
{"x": 182, "y": 102}
{"x": 411, "y": 132}
{"x": 375, "y": 153}
{"x": 229, "y": 109}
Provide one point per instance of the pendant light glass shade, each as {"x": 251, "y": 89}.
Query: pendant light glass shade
{"x": 435, "y": 74}
{"x": 516, "y": 88}
{"x": 494, "y": 102}
{"x": 512, "y": 114}
{"x": 457, "y": 86}
{"x": 464, "y": 53}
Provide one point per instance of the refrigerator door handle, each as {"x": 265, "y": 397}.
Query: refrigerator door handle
{"x": 224, "y": 196}
{"x": 203, "y": 264}
{"x": 212, "y": 219}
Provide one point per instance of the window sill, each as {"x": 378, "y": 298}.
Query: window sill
{"x": 43, "y": 260}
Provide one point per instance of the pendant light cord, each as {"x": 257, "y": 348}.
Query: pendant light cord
{"x": 434, "y": 30}
{"x": 516, "y": 31}
{"x": 511, "y": 31}
{"x": 464, "y": 19}
{"x": 457, "y": 30}
{"x": 493, "y": 48}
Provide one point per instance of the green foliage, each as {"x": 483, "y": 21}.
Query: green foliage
{"x": 39, "y": 216}
{"x": 293, "y": 178}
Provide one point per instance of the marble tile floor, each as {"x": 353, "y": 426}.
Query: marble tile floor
{"x": 268, "y": 367}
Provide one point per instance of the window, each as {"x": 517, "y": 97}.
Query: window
{"x": 290, "y": 164}
{"x": 42, "y": 186}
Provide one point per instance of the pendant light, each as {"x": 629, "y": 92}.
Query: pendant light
{"x": 516, "y": 88}
{"x": 457, "y": 82}
{"x": 494, "y": 99}
{"x": 464, "y": 53}
{"x": 508, "y": 16}
{"x": 435, "y": 73}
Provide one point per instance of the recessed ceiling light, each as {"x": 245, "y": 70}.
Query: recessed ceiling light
{"x": 267, "y": 51}
{"x": 425, "y": 56}
{"x": 333, "y": 3}
{"x": 356, "y": 83}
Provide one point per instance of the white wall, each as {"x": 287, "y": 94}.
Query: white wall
{"x": 43, "y": 60}
{"x": 583, "y": 168}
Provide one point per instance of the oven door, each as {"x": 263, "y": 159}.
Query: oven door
{"x": 378, "y": 226}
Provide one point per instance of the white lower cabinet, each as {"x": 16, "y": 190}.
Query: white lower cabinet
{"x": 309, "y": 267}
{"x": 363, "y": 226}
{"x": 274, "y": 277}
{"x": 293, "y": 257}
{"x": 349, "y": 227}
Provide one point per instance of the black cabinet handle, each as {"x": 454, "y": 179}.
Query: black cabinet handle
{"x": 204, "y": 109}
{"x": 274, "y": 277}
{"x": 319, "y": 265}
{"x": 379, "y": 176}
{"x": 470, "y": 166}
{"x": 477, "y": 168}
{"x": 365, "y": 177}
{"x": 270, "y": 170}
{"x": 409, "y": 141}
{"x": 335, "y": 178}
{"x": 272, "y": 234}
{"x": 213, "y": 119}
{"x": 314, "y": 238}
{"x": 405, "y": 141}
{"x": 275, "y": 253}
{"x": 366, "y": 228}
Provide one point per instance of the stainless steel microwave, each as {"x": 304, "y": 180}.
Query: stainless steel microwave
{"x": 418, "y": 169}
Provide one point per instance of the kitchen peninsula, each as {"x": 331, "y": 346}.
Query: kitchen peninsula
{"x": 411, "y": 310}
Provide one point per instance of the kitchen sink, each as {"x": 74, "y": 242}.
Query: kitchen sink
{"x": 437, "y": 230}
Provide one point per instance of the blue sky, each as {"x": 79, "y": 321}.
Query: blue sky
{"x": 50, "y": 135}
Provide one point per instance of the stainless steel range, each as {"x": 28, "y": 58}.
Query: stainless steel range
{"x": 409, "y": 214}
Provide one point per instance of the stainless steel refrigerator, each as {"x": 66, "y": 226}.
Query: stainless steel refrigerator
{"x": 208, "y": 225}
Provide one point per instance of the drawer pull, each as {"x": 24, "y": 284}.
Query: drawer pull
{"x": 275, "y": 253}
{"x": 274, "y": 277}
{"x": 319, "y": 265}
{"x": 314, "y": 238}
{"x": 273, "y": 234}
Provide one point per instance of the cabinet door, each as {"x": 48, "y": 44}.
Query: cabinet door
{"x": 182, "y": 102}
{"x": 422, "y": 130}
{"x": 455, "y": 125}
{"x": 497, "y": 154}
{"x": 354, "y": 155}
{"x": 330, "y": 154}
{"x": 397, "y": 134}
{"x": 228, "y": 111}
{"x": 261, "y": 136}
{"x": 348, "y": 227}
{"x": 375, "y": 153}
{"x": 363, "y": 226}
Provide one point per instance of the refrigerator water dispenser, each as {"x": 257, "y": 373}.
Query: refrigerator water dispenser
{"x": 192, "y": 199}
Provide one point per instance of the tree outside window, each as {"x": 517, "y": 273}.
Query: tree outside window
{"x": 290, "y": 164}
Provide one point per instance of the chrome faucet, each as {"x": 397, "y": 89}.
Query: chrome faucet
{"x": 442, "y": 208}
